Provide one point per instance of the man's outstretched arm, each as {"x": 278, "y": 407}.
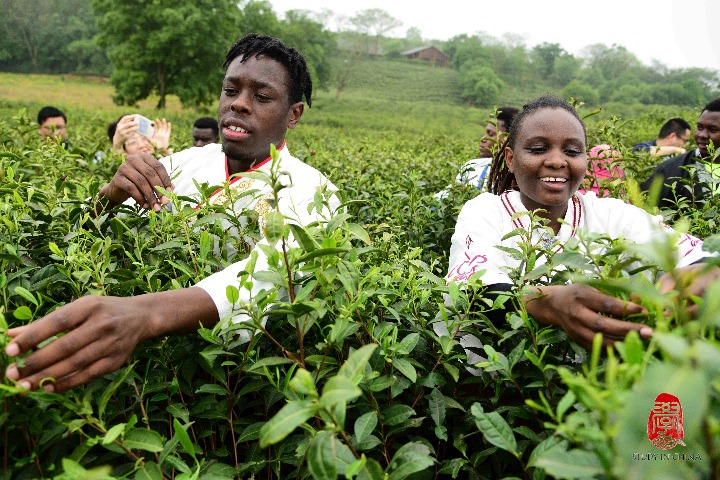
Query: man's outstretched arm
{"x": 100, "y": 333}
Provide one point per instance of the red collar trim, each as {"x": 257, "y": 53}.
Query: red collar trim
{"x": 238, "y": 176}
{"x": 511, "y": 210}
{"x": 254, "y": 167}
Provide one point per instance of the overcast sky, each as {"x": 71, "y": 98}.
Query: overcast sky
{"x": 677, "y": 33}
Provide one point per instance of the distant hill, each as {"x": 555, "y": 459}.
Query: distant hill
{"x": 408, "y": 80}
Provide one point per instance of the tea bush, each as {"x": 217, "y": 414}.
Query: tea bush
{"x": 349, "y": 378}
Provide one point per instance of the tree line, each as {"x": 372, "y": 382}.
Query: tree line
{"x": 176, "y": 46}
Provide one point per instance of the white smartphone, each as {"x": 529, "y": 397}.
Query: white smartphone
{"x": 146, "y": 127}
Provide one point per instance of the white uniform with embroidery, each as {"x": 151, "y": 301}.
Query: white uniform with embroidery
{"x": 487, "y": 218}
{"x": 475, "y": 172}
{"x": 208, "y": 165}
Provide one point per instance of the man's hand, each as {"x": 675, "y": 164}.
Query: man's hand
{"x": 583, "y": 311}
{"x": 100, "y": 333}
{"x": 667, "y": 150}
{"x": 137, "y": 177}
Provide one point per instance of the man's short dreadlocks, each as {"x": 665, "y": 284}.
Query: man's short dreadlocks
{"x": 294, "y": 62}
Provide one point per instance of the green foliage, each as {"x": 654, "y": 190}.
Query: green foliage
{"x": 582, "y": 92}
{"x": 309, "y": 37}
{"x": 49, "y": 36}
{"x": 166, "y": 47}
{"x": 349, "y": 377}
{"x": 603, "y": 73}
{"x": 481, "y": 85}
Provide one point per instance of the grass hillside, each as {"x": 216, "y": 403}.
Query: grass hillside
{"x": 383, "y": 97}
{"x": 402, "y": 80}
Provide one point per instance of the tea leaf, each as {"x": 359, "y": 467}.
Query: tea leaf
{"x": 321, "y": 458}
{"x": 364, "y": 425}
{"x": 291, "y": 416}
{"x": 495, "y": 429}
{"x": 397, "y": 414}
{"x": 356, "y": 362}
{"x": 405, "y": 368}
{"x": 570, "y": 464}
{"x": 143, "y": 439}
{"x": 338, "y": 390}
{"x": 410, "y": 458}
{"x": 184, "y": 438}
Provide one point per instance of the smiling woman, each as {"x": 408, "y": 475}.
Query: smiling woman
{"x": 536, "y": 178}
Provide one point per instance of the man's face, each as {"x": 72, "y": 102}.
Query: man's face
{"x": 707, "y": 130}
{"x": 254, "y": 109}
{"x": 494, "y": 136}
{"x": 679, "y": 140}
{"x": 53, "y": 127}
{"x": 203, "y": 136}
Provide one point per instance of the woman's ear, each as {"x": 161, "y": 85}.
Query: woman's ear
{"x": 509, "y": 160}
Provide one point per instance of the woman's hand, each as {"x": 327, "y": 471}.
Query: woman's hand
{"x": 126, "y": 126}
{"x": 583, "y": 311}
{"x": 695, "y": 277}
{"x": 161, "y": 138}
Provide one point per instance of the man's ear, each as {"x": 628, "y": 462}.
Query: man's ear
{"x": 294, "y": 114}
{"x": 509, "y": 159}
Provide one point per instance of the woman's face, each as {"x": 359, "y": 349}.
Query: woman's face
{"x": 137, "y": 143}
{"x": 548, "y": 160}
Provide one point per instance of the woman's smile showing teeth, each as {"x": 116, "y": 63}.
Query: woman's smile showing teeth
{"x": 547, "y": 159}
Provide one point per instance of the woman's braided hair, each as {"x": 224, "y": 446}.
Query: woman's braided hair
{"x": 500, "y": 178}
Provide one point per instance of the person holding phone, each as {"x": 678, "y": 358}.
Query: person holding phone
{"x": 132, "y": 134}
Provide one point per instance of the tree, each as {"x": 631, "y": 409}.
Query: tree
{"x": 258, "y": 17}
{"x": 565, "y": 69}
{"x": 466, "y": 50}
{"x": 612, "y": 62}
{"x": 512, "y": 63}
{"x": 413, "y": 36}
{"x": 308, "y": 36}
{"x": 543, "y": 57}
{"x": 581, "y": 91}
{"x": 37, "y": 35}
{"x": 20, "y": 22}
{"x": 167, "y": 47}
{"x": 374, "y": 23}
{"x": 480, "y": 85}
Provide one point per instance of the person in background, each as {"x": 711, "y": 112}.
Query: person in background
{"x": 205, "y": 130}
{"x": 125, "y": 137}
{"x": 673, "y": 137}
{"x": 602, "y": 168}
{"x": 539, "y": 171}
{"x": 692, "y": 176}
{"x": 52, "y": 123}
{"x": 475, "y": 172}
{"x": 261, "y": 98}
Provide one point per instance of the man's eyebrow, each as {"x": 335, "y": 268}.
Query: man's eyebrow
{"x": 253, "y": 83}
